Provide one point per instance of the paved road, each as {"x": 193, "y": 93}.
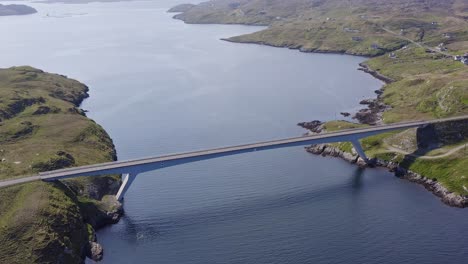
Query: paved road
{"x": 343, "y": 135}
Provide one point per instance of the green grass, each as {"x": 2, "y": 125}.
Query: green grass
{"x": 320, "y": 25}
{"x": 428, "y": 86}
{"x": 38, "y": 220}
{"x": 337, "y": 125}
{"x": 41, "y": 128}
{"x": 452, "y": 172}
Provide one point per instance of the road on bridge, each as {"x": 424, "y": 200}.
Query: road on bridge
{"x": 103, "y": 168}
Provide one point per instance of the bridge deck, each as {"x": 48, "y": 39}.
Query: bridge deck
{"x": 343, "y": 135}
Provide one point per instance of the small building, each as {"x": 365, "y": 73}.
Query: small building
{"x": 392, "y": 55}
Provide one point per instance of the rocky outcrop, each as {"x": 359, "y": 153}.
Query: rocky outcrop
{"x": 315, "y": 126}
{"x": 328, "y": 150}
{"x": 365, "y": 68}
{"x": 60, "y": 160}
{"x": 431, "y": 185}
{"x": 371, "y": 115}
{"x": 94, "y": 251}
{"x": 43, "y": 110}
{"x": 18, "y": 105}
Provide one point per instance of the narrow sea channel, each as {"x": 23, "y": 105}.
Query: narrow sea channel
{"x": 160, "y": 86}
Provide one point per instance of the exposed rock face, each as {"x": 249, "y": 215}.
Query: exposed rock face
{"x": 371, "y": 115}
{"x": 95, "y": 251}
{"x": 61, "y": 160}
{"x": 102, "y": 189}
{"x": 315, "y": 126}
{"x": 43, "y": 110}
{"x": 327, "y": 150}
{"x": 451, "y": 132}
{"x": 17, "y": 106}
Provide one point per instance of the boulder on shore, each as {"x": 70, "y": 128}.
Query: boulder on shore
{"x": 95, "y": 251}
{"x": 315, "y": 126}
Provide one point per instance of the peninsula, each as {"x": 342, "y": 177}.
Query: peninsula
{"x": 42, "y": 128}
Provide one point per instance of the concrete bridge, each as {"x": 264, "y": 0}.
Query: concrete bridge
{"x": 131, "y": 168}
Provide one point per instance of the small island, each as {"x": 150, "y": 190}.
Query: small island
{"x": 15, "y": 10}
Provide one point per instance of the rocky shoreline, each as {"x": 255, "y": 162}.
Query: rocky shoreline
{"x": 297, "y": 47}
{"x": 372, "y": 115}
{"x": 365, "y": 68}
{"x": 432, "y": 185}
{"x": 103, "y": 190}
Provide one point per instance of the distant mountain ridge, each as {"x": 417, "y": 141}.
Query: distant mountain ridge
{"x": 14, "y": 9}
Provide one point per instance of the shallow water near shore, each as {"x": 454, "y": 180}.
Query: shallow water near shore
{"x": 160, "y": 86}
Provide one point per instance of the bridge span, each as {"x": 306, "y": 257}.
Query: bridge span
{"x": 129, "y": 169}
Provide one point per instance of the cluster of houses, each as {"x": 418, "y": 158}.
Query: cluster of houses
{"x": 463, "y": 59}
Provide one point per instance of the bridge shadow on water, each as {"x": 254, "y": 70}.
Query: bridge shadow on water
{"x": 162, "y": 223}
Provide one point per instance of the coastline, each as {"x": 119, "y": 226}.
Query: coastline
{"x": 296, "y": 47}
{"x": 370, "y": 115}
{"x": 46, "y": 130}
{"x": 435, "y": 187}
{"x": 100, "y": 187}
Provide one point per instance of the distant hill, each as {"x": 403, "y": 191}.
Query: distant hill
{"x": 14, "y": 10}
{"x": 346, "y": 26}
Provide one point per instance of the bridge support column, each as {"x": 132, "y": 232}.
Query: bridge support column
{"x": 128, "y": 178}
{"x": 357, "y": 146}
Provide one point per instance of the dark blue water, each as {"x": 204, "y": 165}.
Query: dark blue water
{"x": 160, "y": 86}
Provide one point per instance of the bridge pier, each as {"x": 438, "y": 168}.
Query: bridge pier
{"x": 128, "y": 178}
{"x": 357, "y": 146}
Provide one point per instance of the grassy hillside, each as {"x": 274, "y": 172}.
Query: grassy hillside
{"x": 42, "y": 128}
{"x": 402, "y": 39}
{"x": 353, "y": 26}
